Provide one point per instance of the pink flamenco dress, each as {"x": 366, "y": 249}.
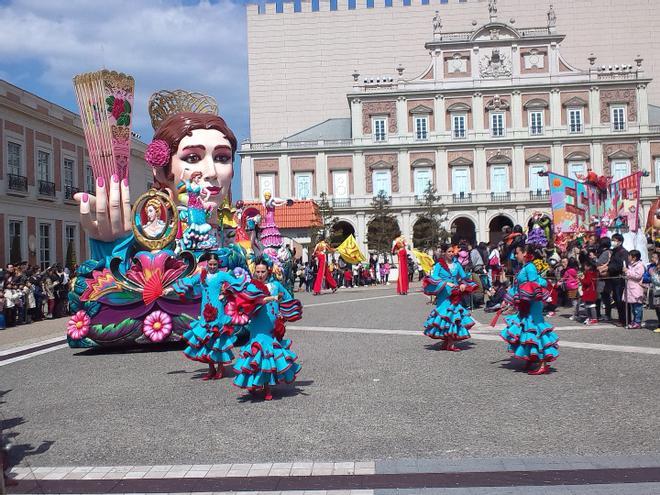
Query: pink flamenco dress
{"x": 270, "y": 234}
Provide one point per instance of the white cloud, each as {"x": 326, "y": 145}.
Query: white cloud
{"x": 163, "y": 44}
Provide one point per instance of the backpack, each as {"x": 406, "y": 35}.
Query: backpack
{"x": 603, "y": 269}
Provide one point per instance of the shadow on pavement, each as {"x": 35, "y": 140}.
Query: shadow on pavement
{"x": 101, "y": 351}
{"x": 279, "y": 392}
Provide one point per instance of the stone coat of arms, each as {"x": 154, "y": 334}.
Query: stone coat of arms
{"x": 497, "y": 65}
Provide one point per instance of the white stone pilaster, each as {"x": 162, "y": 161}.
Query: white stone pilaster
{"x": 642, "y": 108}
{"x": 482, "y": 224}
{"x": 480, "y": 169}
{"x": 406, "y": 228}
{"x": 557, "y": 157}
{"x": 478, "y": 112}
{"x": 247, "y": 178}
{"x": 520, "y": 214}
{"x": 555, "y": 109}
{"x": 361, "y": 233}
{"x": 402, "y": 116}
{"x": 553, "y": 59}
{"x": 594, "y": 106}
{"x": 645, "y": 162}
{"x": 474, "y": 62}
{"x": 597, "y": 157}
{"x": 516, "y": 112}
{"x": 359, "y": 174}
{"x": 356, "y": 118}
{"x": 284, "y": 174}
{"x": 441, "y": 172}
{"x": 404, "y": 172}
{"x": 322, "y": 173}
{"x": 518, "y": 171}
{"x": 439, "y": 113}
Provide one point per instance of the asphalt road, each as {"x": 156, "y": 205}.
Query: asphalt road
{"x": 361, "y": 395}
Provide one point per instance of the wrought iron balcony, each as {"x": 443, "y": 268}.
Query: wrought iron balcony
{"x": 17, "y": 183}
{"x": 69, "y": 191}
{"x": 47, "y": 188}
{"x": 462, "y": 198}
{"x": 539, "y": 194}
{"x": 341, "y": 202}
{"x": 500, "y": 197}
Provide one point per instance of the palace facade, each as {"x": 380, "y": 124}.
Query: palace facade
{"x": 495, "y": 106}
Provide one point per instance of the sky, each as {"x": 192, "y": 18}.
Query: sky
{"x": 196, "y": 45}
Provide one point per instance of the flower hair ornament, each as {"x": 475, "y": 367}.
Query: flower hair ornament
{"x": 157, "y": 153}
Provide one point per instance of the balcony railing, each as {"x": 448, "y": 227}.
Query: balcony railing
{"x": 500, "y": 197}
{"x": 388, "y": 199}
{"x": 462, "y": 198}
{"x": 538, "y": 195}
{"x": 575, "y": 129}
{"x": 47, "y": 188}
{"x": 341, "y": 202}
{"x": 17, "y": 183}
{"x": 69, "y": 191}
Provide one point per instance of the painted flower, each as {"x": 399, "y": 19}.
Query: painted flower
{"x": 117, "y": 108}
{"x": 210, "y": 312}
{"x": 78, "y": 326}
{"x": 157, "y": 153}
{"x": 157, "y": 326}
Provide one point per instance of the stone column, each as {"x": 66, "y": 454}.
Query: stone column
{"x": 520, "y": 215}
{"x": 356, "y": 118}
{"x": 441, "y": 172}
{"x": 361, "y": 234}
{"x": 478, "y": 113}
{"x": 284, "y": 169}
{"x": 597, "y": 157}
{"x": 553, "y": 58}
{"x": 516, "y": 113}
{"x": 645, "y": 161}
{"x": 247, "y": 178}
{"x": 594, "y": 106}
{"x": 515, "y": 61}
{"x": 406, "y": 228}
{"x": 555, "y": 110}
{"x": 642, "y": 108}
{"x": 321, "y": 173}
{"x": 518, "y": 171}
{"x": 439, "y": 113}
{"x": 482, "y": 226}
{"x": 480, "y": 169}
{"x": 557, "y": 158}
{"x": 402, "y": 116}
{"x": 404, "y": 173}
{"x": 359, "y": 177}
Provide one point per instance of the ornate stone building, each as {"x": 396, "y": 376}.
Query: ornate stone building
{"x": 43, "y": 163}
{"x": 495, "y": 105}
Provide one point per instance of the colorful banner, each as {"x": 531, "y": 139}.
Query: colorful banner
{"x": 577, "y": 205}
{"x": 350, "y": 252}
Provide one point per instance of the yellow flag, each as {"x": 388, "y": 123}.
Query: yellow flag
{"x": 424, "y": 260}
{"x": 350, "y": 252}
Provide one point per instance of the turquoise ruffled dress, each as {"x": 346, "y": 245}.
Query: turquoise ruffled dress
{"x": 266, "y": 360}
{"x": 450, "y": 319}
{"x": 210, "y": 340}
{"x": 198, "y": 234}
{"x": 529, "y": 336}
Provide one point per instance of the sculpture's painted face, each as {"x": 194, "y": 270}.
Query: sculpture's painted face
{"x": 151, "y": 213}
{"x": 207, "y": 151}
{"x": 267, "y": 195}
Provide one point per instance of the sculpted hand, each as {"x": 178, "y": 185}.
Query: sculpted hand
{"x": 106, "y": 217}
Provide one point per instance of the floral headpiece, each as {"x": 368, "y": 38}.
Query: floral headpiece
{"x": 157, "y": 153}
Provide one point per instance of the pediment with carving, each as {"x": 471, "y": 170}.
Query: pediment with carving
{"x": 535, "y": 104}
{"x": 497, "y": 103}
{"x": 421, "y": 110}
{"x": 459, "y": 107}
{"x": 576, "y": 101}
{"x": 460, "y": 162}
{"x": 538, "y": 158}
{"x": 496, "y": 31}
{"x": 577, "y": 155}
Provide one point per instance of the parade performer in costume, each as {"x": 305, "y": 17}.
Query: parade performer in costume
{"x": 198, "y": 234}
{"x": 267, "y": 359}
{"x": 211, "y": 338}
{"x": 399, "y": 249}
{"x": 529, "y": 337}
{"x": 321, "y": 249}
{"x": 270, "y": 234}
{"x": 448, "y": 282}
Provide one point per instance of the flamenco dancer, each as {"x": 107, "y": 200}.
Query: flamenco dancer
{"x": 198, "y": 234}
{"x": 270, "y": 234}
{"x": 210, "y": 338}
{"x": 529, "y": 337}
{"x": 449, "y": 321}
{"x": 399, "y": 248}
{"x": 267, "y": 359}
{"x": 321, "y": 250}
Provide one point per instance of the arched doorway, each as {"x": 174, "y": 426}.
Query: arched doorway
{"x": 381, "y": 231}
{"x": 340, "y": 231}
{"x": 495, "y": 234}
{"x": 462, "y": 228}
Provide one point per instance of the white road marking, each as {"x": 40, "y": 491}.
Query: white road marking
{"x": 33, "y": 354}
{"x": 13, "y": 350}
{"x": 478, "y": 335}
{"x": 310, "y": 305}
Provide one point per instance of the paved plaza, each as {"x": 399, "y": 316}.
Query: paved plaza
{"x": 377, "y": 408}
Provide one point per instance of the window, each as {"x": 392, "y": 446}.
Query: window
{"x": 460, "y": 180}
{"x": 382, "y": 182}
{"x": 14, "y": 156}
{"x": 497, "y": 124}
{"x": 620, "y": 169}
{"x": 68, "y": 173}
{"x": 423, "y": 178}
{"x": 266, "y": 183}
{"x": 458, "y": 125}
{"x": 351, "y": 4}
{"x": 537, "y": 183}
{"x": 340, "y": 185}
{"x": 380, "y": 129}
{"x": 499, "y": 179}
{"x": 69, "y": 241}
{"x": 15, "y": 241}
{"x": 574, "y": 120}
{"x": 303, "y": 185}
{"x": 43, "y": 166}
{"x": 618, "y": 118}
{"x": 89, "y": 178}
{"x": 44, "y": 245}
{"x": 576, "y": 169}
{"x": 421, "y": 128}
{"x": 536, "y": 123}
